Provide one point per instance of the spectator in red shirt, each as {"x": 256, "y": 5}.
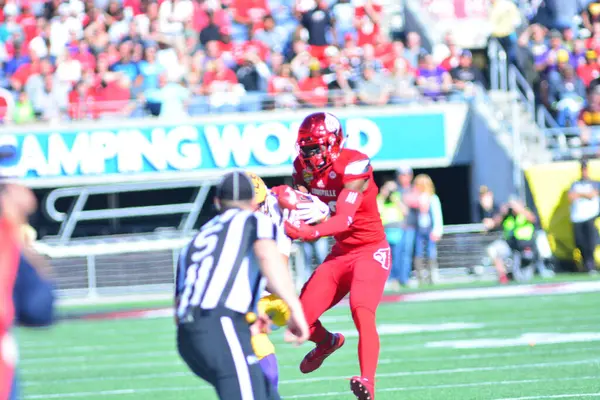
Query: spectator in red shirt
{"x": 222, "y": 87}
{"x": 313, "y": 90}
{"x": 115, "y": 97}
{"x": 28, "y": 23}
{"x": 247, "y": 15}
{"x": 19, "y": 78}
{"x": 85, "y": 56}
{"x": 200, "y": 15}
{"x": 453, "y": 59}
{"x": 590, "y": 70}
{"x": 250, "y": 45}
{"x": 81, "y": 100}
{"x": 367, "y": 19}
{"x": 218, "y": 78}
{"x": 384, "y": 51}
{"x": 132, "y": 8}
{"x": 593, "y": 42}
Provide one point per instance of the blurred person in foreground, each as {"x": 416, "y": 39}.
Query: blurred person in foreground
{"x": 392, "y": 212}
{"x": 25, "y": 288}
{"x": 430, "y": 227}
{"x": 585, "y": 207}
{"x": 239, "y": 247}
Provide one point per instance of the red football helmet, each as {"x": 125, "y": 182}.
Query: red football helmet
{"x": 320, "y": 140}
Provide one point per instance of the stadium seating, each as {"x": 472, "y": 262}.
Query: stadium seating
{"x": 558, "y": 53}
{"x": 86, "y": 60}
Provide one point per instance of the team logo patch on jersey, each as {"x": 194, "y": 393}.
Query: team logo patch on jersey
{"x": 307, "y": 176}
{"x": 382, "y": 256}
{"x": 332, "y": 175}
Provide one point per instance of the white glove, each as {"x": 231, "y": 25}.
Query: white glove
{"x": 312, "y": 213}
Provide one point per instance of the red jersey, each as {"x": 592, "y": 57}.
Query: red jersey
{"x": 351, "y": 165}
{"x": 9, "y": 263}
{"x": 367, "y": 31}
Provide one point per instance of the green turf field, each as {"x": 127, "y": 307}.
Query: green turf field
{"x": 135, "y": 359}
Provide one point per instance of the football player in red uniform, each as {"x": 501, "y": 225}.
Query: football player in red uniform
{"x": 359, "y": 262}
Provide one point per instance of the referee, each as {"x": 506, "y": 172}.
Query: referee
{"x": 219, "y": 280}
{"x": 585, "y": 206}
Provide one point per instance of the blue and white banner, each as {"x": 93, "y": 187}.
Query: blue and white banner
{"x": 148, "y": 150}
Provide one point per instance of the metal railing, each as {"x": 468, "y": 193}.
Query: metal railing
{"x": 191, "y": 210}
{"x": 88, "y": 271}
{"x": 566, "y": 143}
{"x": 235, "y": 103}
{"x": 506, "y": 77}
{"x": 498, "y": 66}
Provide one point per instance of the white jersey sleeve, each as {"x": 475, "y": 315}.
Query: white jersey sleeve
{"x": 284, "y": 243}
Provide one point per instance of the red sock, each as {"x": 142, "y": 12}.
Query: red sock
{"x": 368, "y": 342}
{"x": 318, "y": 334}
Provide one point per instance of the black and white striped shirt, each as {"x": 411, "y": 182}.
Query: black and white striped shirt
{"x": 218, "y": 267}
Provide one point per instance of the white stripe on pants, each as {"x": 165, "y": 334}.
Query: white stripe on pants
{"x": 241, "y": 366}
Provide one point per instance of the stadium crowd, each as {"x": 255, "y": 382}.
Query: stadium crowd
{"x": 558, "y": 51}
{"x": 87, "y": 59}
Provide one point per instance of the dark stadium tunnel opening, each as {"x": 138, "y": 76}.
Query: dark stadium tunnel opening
{"x": 451, "y": 186}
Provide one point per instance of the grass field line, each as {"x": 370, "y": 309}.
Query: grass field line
{"x": 410, "y": 338}
{"x": 459, "y": 370}
{"x": 515, "y": 318}
{"x": 450, "y": 386}
{"x": 57, "y": 346}
{"x": 382, "y": 375}
{"x": 520, "y": 322}
{"x": 414, "y": 342}
{"x": 384, "y": 361}
{"x": 119, "y": 392}
{"x": 554, "y": 396}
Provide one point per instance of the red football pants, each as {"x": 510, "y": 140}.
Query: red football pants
{"x": 362, "y": 272}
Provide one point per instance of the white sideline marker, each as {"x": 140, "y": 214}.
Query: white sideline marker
{"x": 399, "y": 329}
{"x": 555, "y": 396}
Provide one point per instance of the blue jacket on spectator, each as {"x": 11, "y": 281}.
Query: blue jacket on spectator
{"x": 33, "y": 298}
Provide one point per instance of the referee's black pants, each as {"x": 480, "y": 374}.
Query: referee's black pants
{"x": 586, "y": 239}
{"x": 215, "y": 344}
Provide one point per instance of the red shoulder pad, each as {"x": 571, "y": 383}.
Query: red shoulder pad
{"x": 356, "y": 165}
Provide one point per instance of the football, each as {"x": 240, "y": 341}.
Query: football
{"x": 289, "y": 198}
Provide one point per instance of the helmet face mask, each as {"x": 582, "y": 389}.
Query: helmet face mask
{"x": 320, "y": 140}
{"x": 314, "y": 156}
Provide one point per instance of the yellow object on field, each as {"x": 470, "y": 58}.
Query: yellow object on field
{"x": 251, "y": 317}
{"x": 275, "y": 308}
{"x": 550, "y": 184}
{"x": 262, "y": 346}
